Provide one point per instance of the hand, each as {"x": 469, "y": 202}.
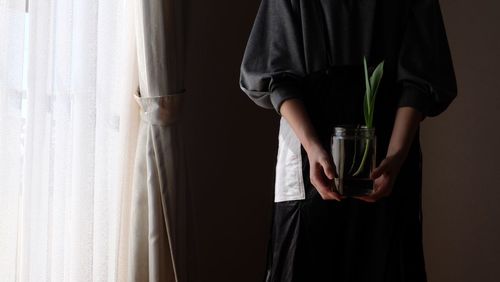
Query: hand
{"x": 322, "y": 173}
{"x": 383, "y": 178}
{"x": 405, "y": 126}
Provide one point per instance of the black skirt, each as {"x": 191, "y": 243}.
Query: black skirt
{"x": 316, "y": 240}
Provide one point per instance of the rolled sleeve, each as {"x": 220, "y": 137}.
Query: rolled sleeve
{"x": 425, "y": 67}
{"x": 284, "y": 90}
{"x": 412, "y": 96}
{"x": 273, "y": 62}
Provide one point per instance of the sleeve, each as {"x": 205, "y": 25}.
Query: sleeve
{"x": 272, "y": 68}
{"x": 425, "y": 68}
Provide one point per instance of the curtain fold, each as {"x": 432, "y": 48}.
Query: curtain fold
{"x": 160, "y": 206}
{"x": 12, "y": 90}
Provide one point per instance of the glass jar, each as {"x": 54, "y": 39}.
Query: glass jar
{"x": 354, "y": 154}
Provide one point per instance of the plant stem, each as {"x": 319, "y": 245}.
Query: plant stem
{"x": 354, "y": 155}
{"x": 363, "y": 160}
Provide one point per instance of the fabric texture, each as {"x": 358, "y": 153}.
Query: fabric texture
{"x": 160, "y": 201}
{"x": 273, "y": 61}
{"x": 292, "y": 39}
{"x": 68, "y": 123}
{"x": 288, "y": 178}
{"x": 313, "y": 51}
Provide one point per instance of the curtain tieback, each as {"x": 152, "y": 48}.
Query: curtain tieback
{"x": 160, "y": 110}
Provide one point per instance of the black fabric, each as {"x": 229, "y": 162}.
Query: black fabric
{"x": 352, "y": 240}
{"x": 312, "y": 50}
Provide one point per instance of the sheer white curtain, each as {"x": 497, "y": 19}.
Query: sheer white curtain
{"x": 68, "y": 131}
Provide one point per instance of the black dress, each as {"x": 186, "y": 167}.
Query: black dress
{"x": 313, "y": 50}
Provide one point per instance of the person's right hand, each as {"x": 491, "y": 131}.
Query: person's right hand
{"x": 321, "y": 168}
{"x": 322, "y": 173}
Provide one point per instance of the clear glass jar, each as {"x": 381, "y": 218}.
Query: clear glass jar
{"x": 354, "y": 154}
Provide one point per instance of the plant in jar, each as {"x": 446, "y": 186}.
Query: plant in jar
{"x": 354, "y": 146}
{"x": 371, "y": 89}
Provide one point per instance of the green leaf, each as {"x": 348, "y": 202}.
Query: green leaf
{"x": 365, "y": 107}
{"x": 366, "y": 100}
{"x": 372, "y": 85}
{"x": 375, "y": 82}
{"x": 367, "y": 81}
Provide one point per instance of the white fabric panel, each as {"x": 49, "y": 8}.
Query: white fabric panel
{"x": 289, "y": 182}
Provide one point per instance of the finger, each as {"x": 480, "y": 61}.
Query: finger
{"x": 381, "y": 169}
{"x": 380, "y": 190}
{"x": 319, "y": 178}
{"x": 326, "y": 187}
{"x": 335, "y": 191}
{"x": 329, "y": 194}
{"x": 328, "y": 169}
{"x": 333, "y": 196}
{"x": 370, "y": 198}
{"x": 322, "y": 191}
{"x": 365, "y": 198}
{"x": 333, "y": 167}
{"x": 326, "y": 194}
{"x": 332, "y": 188}
{"x": 338, "y": 196}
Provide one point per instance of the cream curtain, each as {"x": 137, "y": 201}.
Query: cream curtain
{"x": 93, "y": 181}
{"x": 68, "y": 127}
{"x": 160, "y": 201}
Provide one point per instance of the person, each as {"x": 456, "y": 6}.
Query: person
{"x": 303, "y": 58}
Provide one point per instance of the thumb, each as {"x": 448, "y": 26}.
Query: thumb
{"x": 328, "y": 169}
{"x": 383, "y": 167}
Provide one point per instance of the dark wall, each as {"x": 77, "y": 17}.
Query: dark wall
{"x": 461, "y": 152}
{"x": 232, "y": 147}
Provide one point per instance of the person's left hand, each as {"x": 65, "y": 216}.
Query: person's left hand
{"x": 383, "y": 177}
